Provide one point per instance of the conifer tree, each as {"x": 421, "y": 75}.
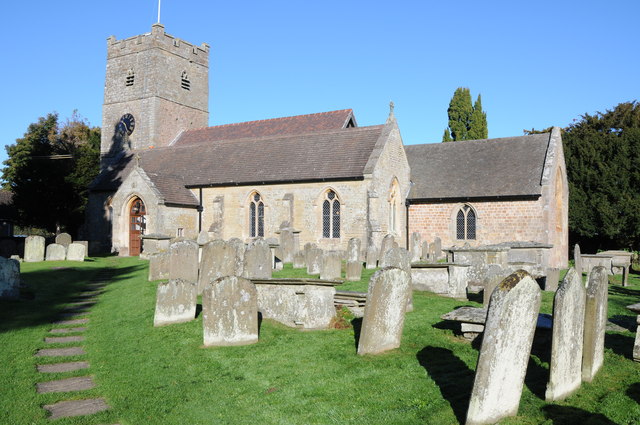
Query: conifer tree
{"x": 447, "y": 135}
{"x": 466, "y": 121}
{"x": 478, "y": 126}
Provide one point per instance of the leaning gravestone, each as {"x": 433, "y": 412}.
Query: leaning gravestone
{"x": 415, "y": 247}
{"x": 384, "y": 312}
{"x": 183, "y": 260}
{"x": 595, "y": 323}
{"x": 331, "y": 266}
{"x": 257, "y": 260}
{"x": 218, "y": 260}
{"x": 34, "y": 249}
{"x": 354, "y": 271}
{"x": 565, "y": 369}
{"x": 76, "y": 252}
{"x": 239, "y": 247}
{"x": 314, "y": 261}
{"x": 353, "y": 249}
{"x": 230, "y": 312}
{"x": 387, "y": 244}
{"x": 372, "y": 257}
{"x": 175, "y": 302}
{"x": 298, "y": 260}
{"x": 399, "y": 257}
{"x": 56, "y": 252}
{"x": 577, "y": 260}
{"x": 506, "y": 345}
{"x": 9, "y": 279}
{"x": 64, "y": 239}
{"x": 159, "y": 266}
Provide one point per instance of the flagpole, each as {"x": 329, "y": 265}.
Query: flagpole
{"x": 159, "y": 11}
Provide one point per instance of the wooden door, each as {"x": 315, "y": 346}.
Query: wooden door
{"x": 136, "y": 226}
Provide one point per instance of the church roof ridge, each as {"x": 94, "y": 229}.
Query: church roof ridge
{"x": 488, "y": 140}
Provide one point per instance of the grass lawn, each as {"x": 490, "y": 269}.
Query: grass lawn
{"x": 163, "y": 375}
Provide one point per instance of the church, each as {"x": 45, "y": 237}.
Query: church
{"x": 164, "y": 171}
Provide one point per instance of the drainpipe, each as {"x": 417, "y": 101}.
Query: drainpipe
{"x": 200, "y": 210}
{"x": 406, "y": 204}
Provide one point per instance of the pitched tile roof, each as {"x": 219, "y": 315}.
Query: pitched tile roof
{"x": 510, "y": 166}
{"x": 333, "y": 120}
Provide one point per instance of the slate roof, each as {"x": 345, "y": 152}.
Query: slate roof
{"x": 333, "y": 120}
{"x": 510, "y": 166}
{"x": 324, "y": 155}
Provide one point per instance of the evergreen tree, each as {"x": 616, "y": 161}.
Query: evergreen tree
{"x": 466, "y": 121}
{"x": 478, "y": 125}
{"x": 447, "y": 136}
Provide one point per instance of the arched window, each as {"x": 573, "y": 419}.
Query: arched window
{"x": 331, "y": 215}
{"x": 256, "y": 216}
{"x": 130, "y": 78}
{"x": 466, "y": 223}
{"x": 394, "y": 206}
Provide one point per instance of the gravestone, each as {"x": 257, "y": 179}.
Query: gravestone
{"x": 353, "y": 249}
{"x": 56, "y": 252}
{"x": 331, "y": 266}
{"x": 551, "y": 279}
{"x": 218, "y": 260}
{"x": 159, "y": 266}
{"x": 416, "y": 247}
{"x": 307, "y": 248}
{"x": 239, "y": 247}
{"x": 577, "y": 260}
{"x": 437, "y": 249}
{"x": 298, "y": 260}
{"x": 314, "y": 261}
{"x": 34, "y": 249}
{"x": 230, "y": 312}
{"x": 493, "y": 276}
{"x": 372, "y": 257}
{"x": 175, "y": 302}
{"x": 425, "y": 251}
{"x": 354, "y": 271}
{"x": 64, "y": 239}
{"x": 76, "y": 252}
{"x": 183, "y": 260}
{"x": 203, "y": 238}
{"x": 506, "y": 346}
{"x": 595, "y": 323}
{"x": 636, "y": 344}
{"x": 387, "y": 244}
{"x": 384, "y": 312}
{"x": 86, "y": 247}
{"x": 565, "y": 368}
{"x": 287, "y": 245}
{"x": 9, "y": 279}
{"x": 399, "y": 257}
{"x": 257, "y": 260}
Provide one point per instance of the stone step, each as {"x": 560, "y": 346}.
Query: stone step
{"x": 72, "y": 322}
{"x": 62, "y": 367}
{"x": 60, "y": 352}
{"x": 63, "y": 339}
{"x": 80, "y": 383}
{"x": 67, "y": 330}
{"x": 65, "y": 409}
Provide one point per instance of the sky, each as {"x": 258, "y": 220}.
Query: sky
{"x": 536, "y": 63}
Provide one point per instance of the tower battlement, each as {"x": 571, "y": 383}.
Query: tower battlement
{"x": 159, "y": 39}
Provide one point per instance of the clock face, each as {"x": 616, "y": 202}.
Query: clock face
{"x": 127, "y": 123}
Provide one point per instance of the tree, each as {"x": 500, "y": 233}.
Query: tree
{"x": 466, "y": 122}
{"x": 49, "y": 169}
{"x": 603, "y": 168}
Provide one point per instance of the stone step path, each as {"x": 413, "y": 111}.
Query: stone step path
{"x": 73, "y": 317}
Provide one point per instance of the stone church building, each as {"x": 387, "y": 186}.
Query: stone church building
{"x": 165, "y": 172}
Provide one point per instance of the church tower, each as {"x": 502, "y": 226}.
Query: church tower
{"x": 156, "y": 86}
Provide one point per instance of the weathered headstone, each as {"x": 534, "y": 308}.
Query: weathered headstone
{"x": 64, "y": 239}
{"x": 354, "y": 271}
{"x": 353, "y": 249}
{"x": 86, "y": 247}
{"x": 34, "y": 249}
{"x": 506, "y": 346}
{"x": 416, "y": 246}
{"x": 175, "y": 302}
{"x": 636, "y": 344}
{"x": 56, "y": 252}
{"x": 9, "y": 279}
{"x": 372, "y": 257}
{"x": 218, "y": 260}
{"x": 307, "y": 249}
{"x": 203, "y": 238}
{"x": 287, "y": 245}
{"x": 230, "y": 312}
{"x": 437, "y": 249}
{"x": 565, "y": 369}
{"x": 299, "y": 260}
{"x": 551, "y": 279}
{"x": 331, "y": 266}
{"x": 425, "y": 251}
{"x": 239, "y": 247}
{"x": 257, "y": 260}
{"x": 493, "y": 276}
{"x": 385, "y": 245}
{"x": 399, "y": 257}
{"x": 314, "y": 261}
{"x": 577, "y": 260}
{"x": 384, "y": 312}
{"x": 159, "y": 266}
{"x": 76, "y": 252}
{"x": 595, "y": 323}
{"x": 183, "y": 260}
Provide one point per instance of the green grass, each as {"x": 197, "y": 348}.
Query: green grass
{"x": 163, "y": 375}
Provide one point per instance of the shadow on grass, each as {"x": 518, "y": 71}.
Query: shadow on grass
{"x": 566, "y": 415}
{"x": 357, "y": 327}
{"x": 634, "y": 392}
{"x": 51, "y": 290}
{"x": 622, "y": 290}
{"x": 627, "y": 322}
{"x": 620, "y": 344}
{"x": 451, "y": 375}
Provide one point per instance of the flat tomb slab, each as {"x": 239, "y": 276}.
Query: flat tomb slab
{"x": 55, "y": 352}
{"x": 66, "y": 385}
{"x": 63, "y": 339}
{"x": 297, "y": 281}
{"x": 67, "y": 330}
{"x": 66, "y": 409}
{"x": 477, "y": 315}
{"x": 62, "y": 367}
{"x": 634, "y": 307}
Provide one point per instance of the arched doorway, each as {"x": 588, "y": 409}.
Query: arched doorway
{"x": 137, "y": 226}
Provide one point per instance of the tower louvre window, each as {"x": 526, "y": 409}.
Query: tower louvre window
{"x": 185, "y": 83}
{"x": 130, "y": 78}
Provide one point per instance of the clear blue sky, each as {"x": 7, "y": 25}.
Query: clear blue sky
{"x": 536, "y": 63}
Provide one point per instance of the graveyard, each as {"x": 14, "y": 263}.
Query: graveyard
{"x": 167, "y": 374}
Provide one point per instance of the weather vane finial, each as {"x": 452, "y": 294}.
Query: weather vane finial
{"x": 391, "y": 106}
